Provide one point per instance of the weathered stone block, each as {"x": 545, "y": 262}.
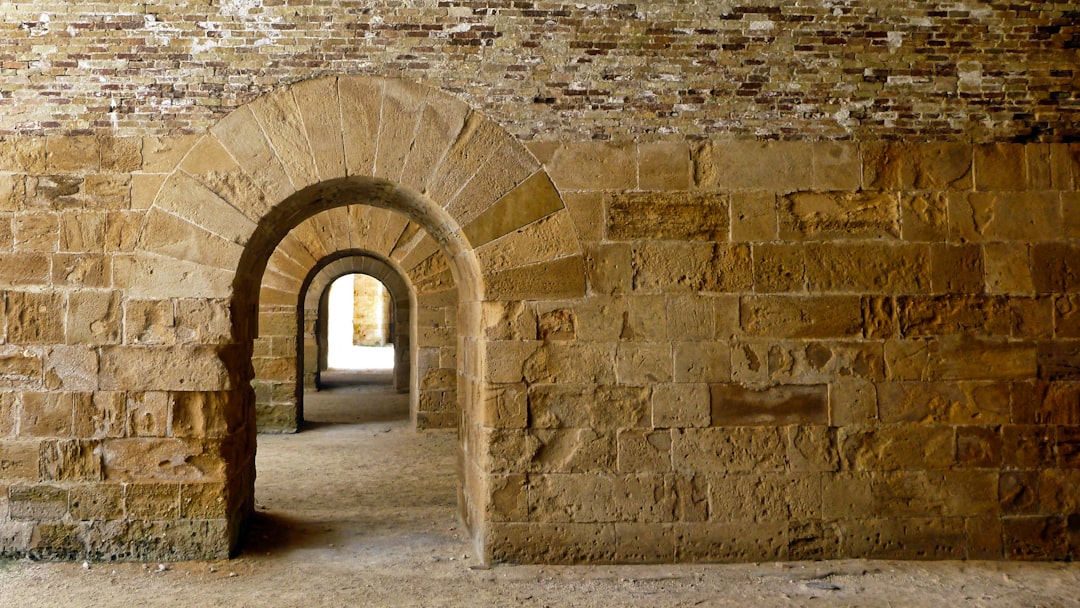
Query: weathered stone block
{"x": 879, "y": 317}
{"x": 1018, "y": 492}
{"x": 731, "y": 542}
{"x": 868, "y": 267}
{"x": 148, "y": 414}
{"x": 174, "y": 368}
{"x": 601, "y": 498}
{"x": 506, "y": 406}
{"x": 852, "y": 401}
{"x": 681, "y": 405}
{"x": 664, "y": 166}
{"x": 18, "y": 459}
{"x": 644, "y": 543}
{"x": 667, "y": 216}
{"x": 643, "y": 451}
{"x": 73, "y": 153}
{"x": 530, "y": 201}
{"x": 551, "y": 543}
{"x": 1035, "y": 537}
{"x": 924, "y": 216}
{"x": 38, "y": 502}
{"x": 1023, "y": 216}
{"x": 956, "y": 269}
{"x": 152, "y": 500}
{"x": 587, "y": 406}
{"x": 568, "y": 362}
{"x": 813, "y": 540}
{"x": 812, "y": 448}
{"x": 753, "y": 217}
{"x": 779, "y": 268}
{"x": 802, "y": 316}
{"x": 727, "y": 449}
{"x": 559, "y": 279}
{"x": 929, "y": 166}
{"x": 558, "y": 324}
{"x": 102, "y": 414}
{"x": 978, "y": 447}
{"x": 1059, "y": 360}
{"x": 782, "y": 166}
{"x": 99, "y": 501}
{"x": 944, "y": 403}
{"x": 36, "y": 232}
{"x": 81, "y": 270}
{"x": 821, "y": 362}
{"x": 35, "y": 317}
{"x": 1038, "y": 402}
{"x": 1000, "y": 166}
{"x": 734, "y": 405}
{"x": 71, "y": 368}
{"x": 160, "y": 459}
{"x": 907, "y": 538}
{"x": 594, "y": 166}
{"x": 70, "y": 460}
{"x": 202, "y": 501}
{"x": 1028, "y": 446}
{"x": 24, "y": 269}
{"x": 46, "y": 415}
{"x": 681, "y": 267}
{"x": 764, "y": 497}
{"x": 839, "y": 215}
{"x": 1055, "y": 267}
{"x": 897, "y": 448}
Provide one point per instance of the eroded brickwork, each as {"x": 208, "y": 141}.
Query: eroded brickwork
{"x": 557, "y": 70}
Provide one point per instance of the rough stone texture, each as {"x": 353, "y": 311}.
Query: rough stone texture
{"x": 749, "y": 300}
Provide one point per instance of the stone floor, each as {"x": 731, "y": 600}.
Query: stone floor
{"x": 358, "y": 510}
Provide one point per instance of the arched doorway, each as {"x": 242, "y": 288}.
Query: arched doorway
{"x": 323, "y": 145}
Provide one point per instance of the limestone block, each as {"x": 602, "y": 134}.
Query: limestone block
{"x": 644, "y": 451}
{"x": 573, "y": 451}
{"x": 558, "y": 362}
{"x": 956, "y": 268}
{"x": 18, "y": 460}
{"x": 1018, "y": 492}
{"x": 121, "y": 154}
{"x": 681, "y": 405}
{"x": 440, "y": 123}
{"x": 101, "y": 415}
{"x": 608, "y": 268}
{"x": 35, "y": 318}
{"x": 813, "y": 540}
{"x": 24, "y": 269}
{"x": 189, "y": 368}
{"x": 81, "y": 270}
{"x": 944, "y": 403}
{"x": 36, "y": 232}
{"x": 702, "y": 362}
{"x": 204, "y": 321}
{"x": 1057, "y": 490}
{"x": 99, "y": 501}
{"x": 183, "y": 196}
{"x": 551, "y": 543}
{"x": 20, "y": 368}
{"x": 587, "y": 212}
{"x": 1055, "y": 267}
{"x": 7, "y": 237}
{"x": 678, "y": 216}
{"x": 813, "y": 448}
{"x": 73, "y": 153}
{"x": 600, "y": 498}
{"x": 361, "y": 102}
{"x": 1057, "y": 360}
{"x": 122, "y": 230}
{"x": 1068, "y": 447}
{"x": 563, "y": 278}
{"x": 897, "y": 448}
{"x": 402, "y": 107}
{"x": 924, "y": 166}
{"x": 506, "y": 359}
{"x": 978, "y": 447}
{"x": 57, "y": 191}
{"x": 680, "y": 267}
{"x": 820, "y": 362}
{"x": 152, "y": 500}
{"x": 159, "y": 459}
{"x": 531, "y": 200}
{"x": 558, "y": 324}
{"x": 846, "y": 495}
{"x": 144, "y": 275}
{"x": 147, "y": 414}
{"x": 107, "y": 191}
{"x": 694, "y": 317}
{"x": 731, "y": 542}
{"x": 641, "y": 364}
{"x": 318, "y": 102}
{"x": 545, "y": 239}
{"x": 23, "y": 154}
{"x": 644, "y": 543}
{"x": 506, "y": 406}
{"x": 588, "y": 406}
{"x": 170, "y": 236}
{"x": 594, "y": 166}
{"x": 1039, "y": 402}
{"x": 38, "y": 502}
{"x": 778, "y": 166}
{"x": 664, "y": 166}
{"x": 1070, "y": 211}
{"x": 163, "y": 154}
{"x": 868, "y": 267}
{"x": 765, "y": 497}
{"x": 1028, "y": 446}
{"x": 501, "y": 165}
{"x": 12, "y": 192}
{"x": 71, "y": 368}
{"x": 975, "y": 315}
{"x": 82, "y": 231}
{"x": 924, "y": 216}
{"x": 70, "y": 460}
{"x": 754, "y": 217}
{"x": 46, "y": 415}
{"x": 1008, "y": 268}
{"x": 240, "y": 134}
{"x": 212, "y": 165}
{"x": 508, "y": 321}
{"x": 905, "y": 538}
{"x": 728, "y": 449}
{"x": 837, "y": 166}
{"x": 802, "y": 317}
{"x": 203, "y": 501}
{"x": 1035, "y": 537}
{"x": 839, "y": 215}
{"x": 779, "y": 268}
{"x": 733, "y": 405}
{"x": 283, "y": 125}
{"x": 1012, "y": 216}
{"x": 1000, "y": 166}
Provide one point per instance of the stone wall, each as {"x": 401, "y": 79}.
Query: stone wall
{"x": 716, "y": 282}
{"x": 562, "y": 70}
{"x": 370, "y": 312}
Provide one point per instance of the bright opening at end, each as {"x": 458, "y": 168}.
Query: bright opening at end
{"x": 356, "y": 330}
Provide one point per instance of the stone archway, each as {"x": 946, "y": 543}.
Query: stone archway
{"x": 477, "y": 193}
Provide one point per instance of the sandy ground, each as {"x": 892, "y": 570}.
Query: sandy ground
{"x": 358, "y": 510}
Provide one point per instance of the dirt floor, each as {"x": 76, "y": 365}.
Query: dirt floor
{"x": 359, "y": 510}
